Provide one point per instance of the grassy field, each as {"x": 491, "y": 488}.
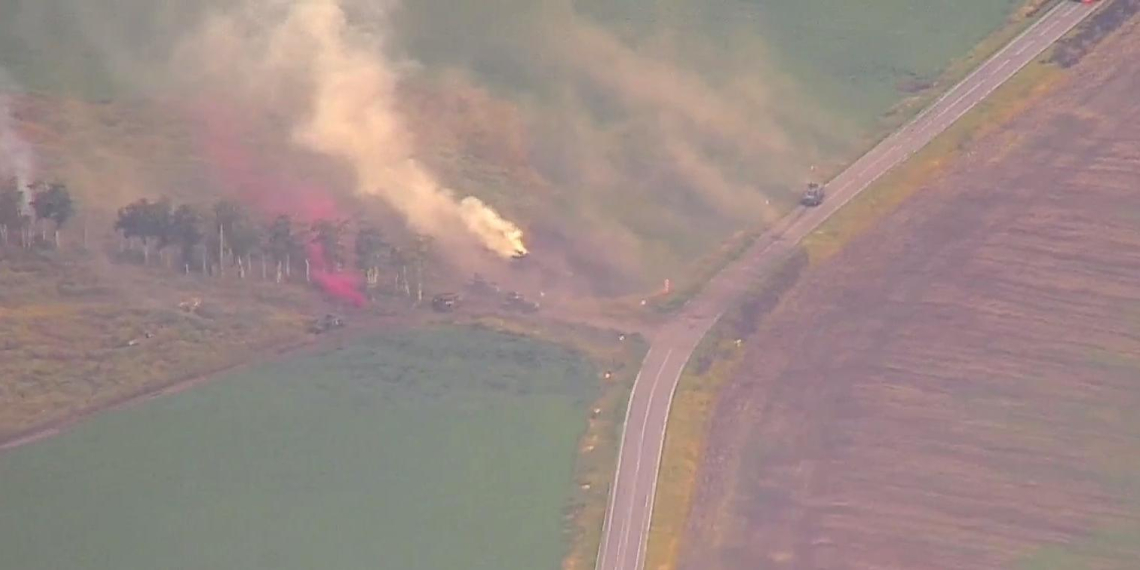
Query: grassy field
{"x": 67, "y": 319}
{"x": 620, "y": 356}
{"x": 437, "y": 448}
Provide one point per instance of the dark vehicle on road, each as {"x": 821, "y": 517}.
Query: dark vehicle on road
{"x": 326, "y": 324}
{"x": 814, "y": 195}
{"x": 445, "y": 302}
{"x": 516, "y": 302}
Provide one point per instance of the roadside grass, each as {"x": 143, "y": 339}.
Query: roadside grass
{"x": 597, "y": 448}
{"x": 710, "y": 368}
{"x": 705, "y": 269}
{"x": 889, "y": 192}
{"x": 597, "y": 461}
{"x": 1017, "y": 23}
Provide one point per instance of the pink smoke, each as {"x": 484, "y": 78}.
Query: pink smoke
{"x": 248, "y": 175}
{"x": 343, "y": 285}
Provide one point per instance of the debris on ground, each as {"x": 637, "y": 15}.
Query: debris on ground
{"x": 445, "y": 302}
{"x": 516, "y": 302}
{"x": 325, "y": 324}
{"x": 190, "y": 305}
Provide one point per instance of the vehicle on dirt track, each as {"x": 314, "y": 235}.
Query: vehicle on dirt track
{"x": 445, "y": 302}
{"x": 814, "y": 195}
{"x": 326, "y": 324}
{"x": 516, "y": 302}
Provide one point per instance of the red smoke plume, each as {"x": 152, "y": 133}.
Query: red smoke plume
{"x": 249, "y": 177}
{"x": 342, "y": 285}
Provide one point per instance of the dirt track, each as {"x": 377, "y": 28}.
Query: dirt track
{"x": 960, "y": 386}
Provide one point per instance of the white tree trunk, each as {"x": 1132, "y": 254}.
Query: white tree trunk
{"x": 221, "y": 251}
{"x": 419, "y": 283}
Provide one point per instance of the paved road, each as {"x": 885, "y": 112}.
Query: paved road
{"x": 630, "y": 509}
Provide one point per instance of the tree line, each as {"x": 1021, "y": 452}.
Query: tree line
{"x": 26, "y": 212}
{"x": 227, "y": 238}
{"x": 221, "y": 238}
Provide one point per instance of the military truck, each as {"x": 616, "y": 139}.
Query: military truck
{"x": 813, "y": 196}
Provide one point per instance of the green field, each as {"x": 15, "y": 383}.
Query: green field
{"x": 629, "y": 137}
{"x": 442, "y": 448}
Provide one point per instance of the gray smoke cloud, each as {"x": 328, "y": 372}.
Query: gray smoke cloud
{"x": 17, "y": 158}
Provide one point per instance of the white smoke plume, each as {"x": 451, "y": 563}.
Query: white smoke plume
{"x": 340, "y": 91}
{"x": 17, "y": 159}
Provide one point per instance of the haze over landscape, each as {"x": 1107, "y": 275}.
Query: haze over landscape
{"x": 627, "y": 172}
{"x": 420, "y": 284}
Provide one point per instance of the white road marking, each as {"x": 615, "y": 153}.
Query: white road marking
{"x": 617, "y": 476}
{"x": 640, "y": 444}
{"x": 668, "y": 410}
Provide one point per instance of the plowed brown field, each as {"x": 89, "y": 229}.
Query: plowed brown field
{"x": 959, "y": 388}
